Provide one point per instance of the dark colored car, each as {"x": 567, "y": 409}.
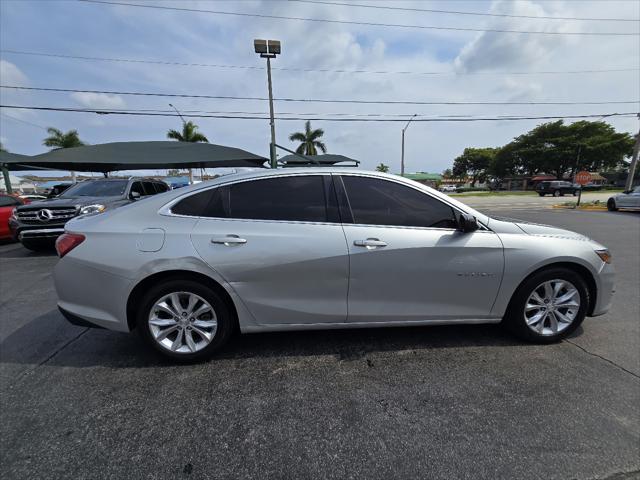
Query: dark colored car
{"x": 557, "y": 188}
{"x": 8, "y": 204}
{"x": 39, "y": 224}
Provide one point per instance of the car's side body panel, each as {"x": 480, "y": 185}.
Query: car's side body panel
{"x": 286, "y": 272}
{"x": 422, "y": 274}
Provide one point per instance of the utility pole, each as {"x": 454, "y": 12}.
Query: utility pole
{"x": 183, "y": 123}
{"x": 402, "y": 154}
{"x": 269, "y": 49}
{"x": 634, "y": 162}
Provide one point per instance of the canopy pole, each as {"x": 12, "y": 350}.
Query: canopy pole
{"x": 7, "y": 180}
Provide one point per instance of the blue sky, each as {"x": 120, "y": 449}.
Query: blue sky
{"x": 85, "y": 29}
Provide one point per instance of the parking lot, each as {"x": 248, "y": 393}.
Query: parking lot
{"x": 438, "y": 402}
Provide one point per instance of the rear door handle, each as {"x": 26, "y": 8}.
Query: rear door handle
{"x": 229, "y": 240}
{"x": 370, "y": 243}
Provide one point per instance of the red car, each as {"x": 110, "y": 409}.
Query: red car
{"x": 8, "y": 203}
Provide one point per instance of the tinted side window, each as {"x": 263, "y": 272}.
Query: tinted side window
{"x": 295, "y": 198}
{"x": 137, "y": 187}
{"x": 203, "y": 204}
{"x": 149, "y": 188}
{"x": 375, "y": 201}
{"x": 161, "y": 187}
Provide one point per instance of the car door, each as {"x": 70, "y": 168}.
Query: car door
{"x": 279, "y": 243}
{"x": 408, "y": 262}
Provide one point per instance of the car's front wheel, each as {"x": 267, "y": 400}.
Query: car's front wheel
{"x": 611, "y": 205}
{"x": 557, "y": 193}
{"x": 541, "y": 194}
{"x": 548, "y": 306}
{"x": 184, "y": 320}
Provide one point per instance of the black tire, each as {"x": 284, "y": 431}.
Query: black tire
{"x": 611, "y": 205}
{"x": 557, "y": 193}
{"x": 575, "y": 193}
{"x": 38, "y": 245}
{"x": 225, "y": 318}
{"x": 541, "y": 194}
{"x": 514, "y": 319}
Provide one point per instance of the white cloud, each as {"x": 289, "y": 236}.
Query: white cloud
{"x": 11, "y": 75}
{"x": 98, "y": 100}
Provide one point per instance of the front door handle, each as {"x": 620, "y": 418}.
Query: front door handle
{"x": 370, "y": 243}
{"x": 229, "y": 240}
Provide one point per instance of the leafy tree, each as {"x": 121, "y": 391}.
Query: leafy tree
{"x": 382, "y": 168}
{"x": 57, "y": 139}
{"x": 310, "y": 140}
{"x": 563, "y": 149}
{"x": 189, "y": 134}
{"x": 447, "y": 173}
{"x": 474, "y": 163}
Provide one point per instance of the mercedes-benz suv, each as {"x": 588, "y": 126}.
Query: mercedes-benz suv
{"x": 39, "y": 224}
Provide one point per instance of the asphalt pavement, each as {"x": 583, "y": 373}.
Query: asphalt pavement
{"x": 437, "y": 402}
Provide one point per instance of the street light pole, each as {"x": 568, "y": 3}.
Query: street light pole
{"x": 402, "y": 155}
{"x": 272, "y": 123}
{"x": 269, "y": 49}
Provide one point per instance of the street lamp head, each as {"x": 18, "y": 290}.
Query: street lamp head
{"x": 260, "y": 46}
{"x": 274, "y": 47}
{"x": 267, "y": 48}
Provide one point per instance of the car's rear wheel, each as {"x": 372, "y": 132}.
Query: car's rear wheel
{"x": 557, "y": 193}
{"x": 548, "y": 306}
{"x": 611, "y": 205}
{"x": 184, "y": 320}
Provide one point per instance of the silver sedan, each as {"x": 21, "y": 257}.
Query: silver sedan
{"x": 320, "y": 248}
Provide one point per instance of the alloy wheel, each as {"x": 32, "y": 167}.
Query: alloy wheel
{"x": 182, "y": 322}
{"x": 552, "y": 307}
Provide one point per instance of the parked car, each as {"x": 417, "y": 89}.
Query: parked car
{"x": 626, "y": 199}
{"x": 8, "y": 204}
{"x": 448, "y": 188}
{"x": 557, "y": 188}
{"x": 320, "y": 248}
{"x": 39, "y": 224}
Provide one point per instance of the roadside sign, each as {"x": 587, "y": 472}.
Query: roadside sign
{"x": 583, "y": 177}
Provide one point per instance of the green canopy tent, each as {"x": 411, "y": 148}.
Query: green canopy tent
{"x": 110, "y": 157}
{"x": 324, "y": 160}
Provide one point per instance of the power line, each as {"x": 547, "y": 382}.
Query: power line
{"x": 291, "y": 69}
{"x": 459, "y": 12}
{"x": 351, "y": 22}
{"x": 22, "y": 121}
{"x": 312, "y": 100}
{"x": 247, "y": 117}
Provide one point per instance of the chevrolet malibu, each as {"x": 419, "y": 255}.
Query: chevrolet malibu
{"x": 320, "y": 248}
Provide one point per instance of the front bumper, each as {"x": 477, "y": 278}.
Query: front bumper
{"x": 605, "y": 289}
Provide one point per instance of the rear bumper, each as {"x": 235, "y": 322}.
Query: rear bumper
{"x": 89, "y": 296}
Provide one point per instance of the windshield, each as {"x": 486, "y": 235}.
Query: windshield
{"x": 97, "y": 188}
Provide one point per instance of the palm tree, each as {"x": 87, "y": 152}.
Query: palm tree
{"x": 57, "y": 139}
{"x": 189, "y": 134}
{"x": 382, "y": 168}
{"x": 309, "y": 140}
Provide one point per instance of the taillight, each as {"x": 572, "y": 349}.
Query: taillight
{"x": 67, "y": 242}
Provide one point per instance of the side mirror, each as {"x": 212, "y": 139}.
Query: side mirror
{"x": 134, "y": 195}
{"x": 467, "y": 223}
